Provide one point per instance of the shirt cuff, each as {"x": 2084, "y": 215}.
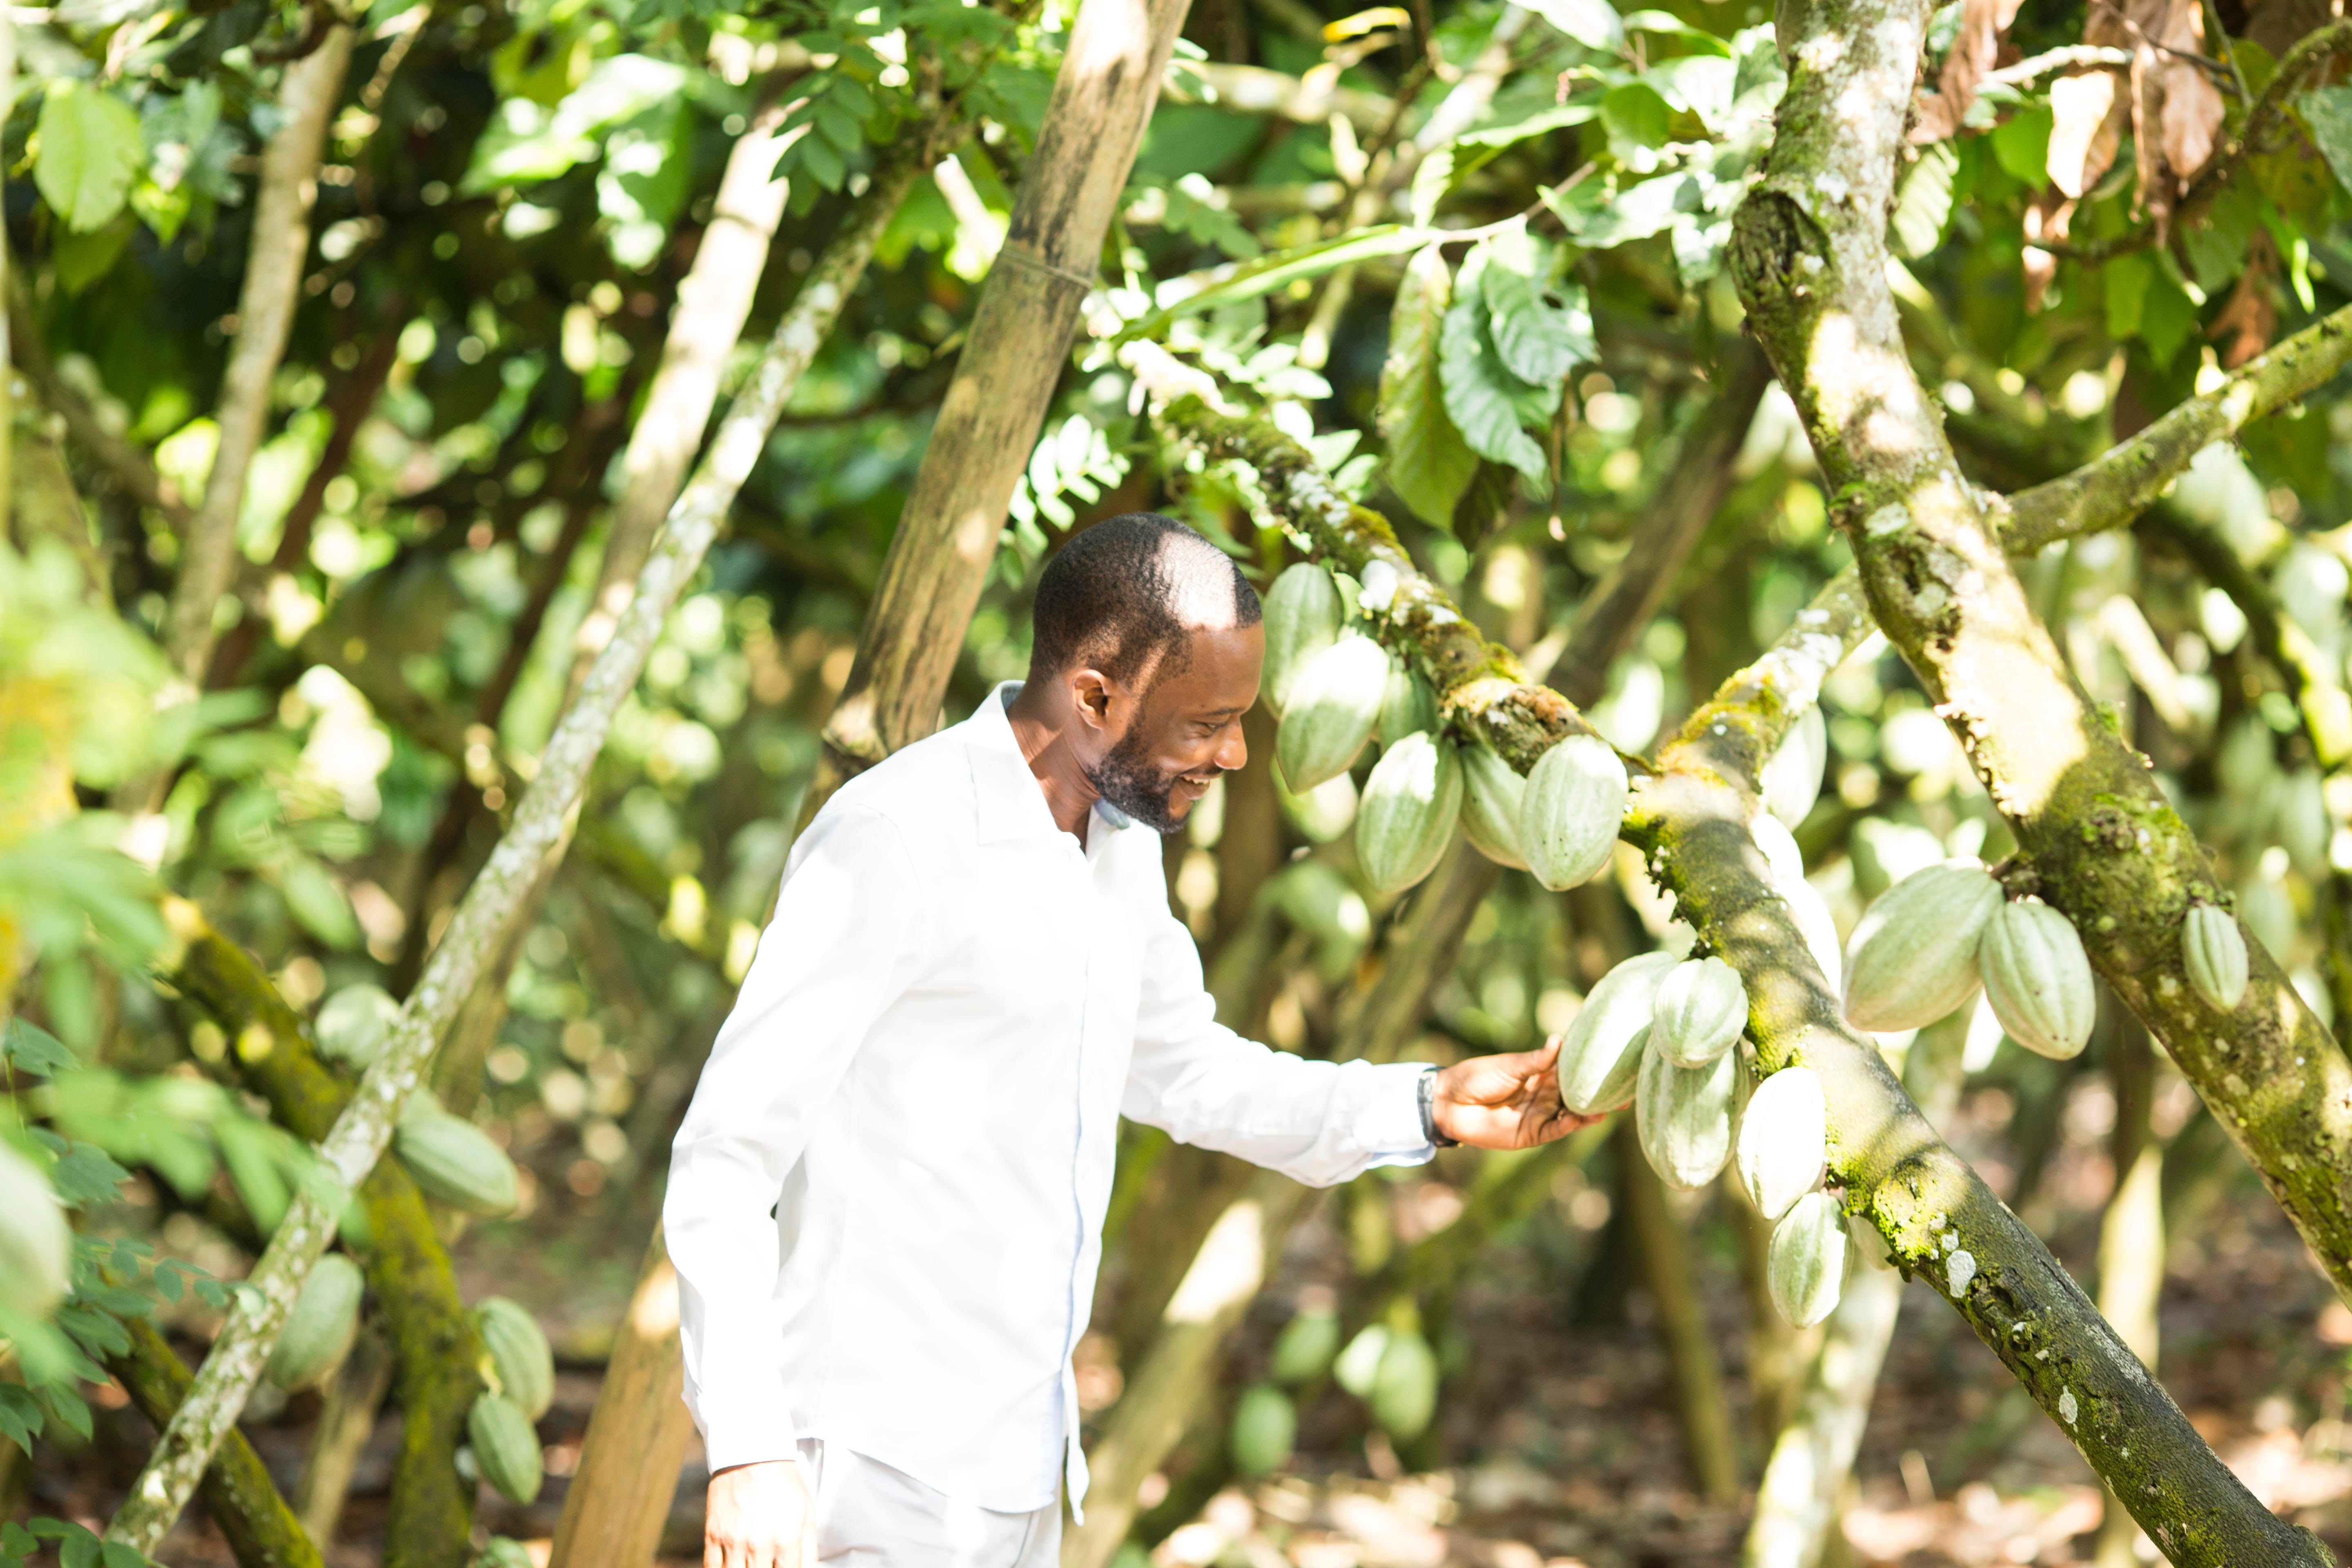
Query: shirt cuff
{"x": 1389, "y": 1129}
{"x": 746, "y": 1438}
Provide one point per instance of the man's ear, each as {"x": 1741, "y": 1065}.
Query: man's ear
{"x": 1092, "y": 693}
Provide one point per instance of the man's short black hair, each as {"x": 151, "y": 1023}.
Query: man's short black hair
{"x": 1117, "y": 593}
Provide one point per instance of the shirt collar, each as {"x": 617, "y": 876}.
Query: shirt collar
{"x": 1011, "y": 803}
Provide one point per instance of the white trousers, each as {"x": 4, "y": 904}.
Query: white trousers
{"x": 869, "y": 1515}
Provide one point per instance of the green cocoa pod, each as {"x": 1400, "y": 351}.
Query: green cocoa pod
{"x": 2304, "y": 826}
{"x": 456, "y": 1162}
{"x": 1303, "y": 1351}
{"x": 1684, "y": 1117}
{"x": 1570, "y": 810}
{"x": 1783, "y": 1139}
{"x": 1406, "y": 818}
{"x": 1806, "y": 1265}
{"x": 1334, "y": 703}
{"x": 1360, "y": 1364}
{"x": 2214, "y": 951}
{"x": 1914, "y": 958}
{"x": 1700, "y": 1009}
{"x": 352, "y": 1024}
{"x": 1404, "y": 1389}
{"x": 1265, "y": 1425}
{"x": 36, "y": 1241}
{"x": 1868, "y": 1246}
{"x": 2038, "y": 979}
{"x": 1786, "y": 864}
{"x": 506, "y": 1449}
{"x": 2268, "y": 913}
{"x": 320, "y": 1329}
{"x": 1409, "y": 706}
{"x": 520, "y": 1357}
{"x": 1302, "y": 616}
{"x": 1490, "y": 807}
{"x": 1601, "y": 1054}
{"x": 1793, "y": 776}
{"x": 247, "y": 1149}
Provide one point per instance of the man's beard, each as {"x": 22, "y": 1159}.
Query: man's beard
{"x": 1126, "y": 778}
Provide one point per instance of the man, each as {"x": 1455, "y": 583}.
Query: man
{"x": 885, "y": 1202}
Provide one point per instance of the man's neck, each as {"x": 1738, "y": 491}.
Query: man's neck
{"x": 1041, "y": 728}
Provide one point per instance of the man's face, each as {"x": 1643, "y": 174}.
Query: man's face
{"x": 1181, "y": 730}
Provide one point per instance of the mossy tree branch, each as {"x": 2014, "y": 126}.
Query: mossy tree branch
{"x": 1691, "y": 816}
{"x": 260, "y": 1529}
{"x": 2092, "y": 826}
{"x": 408, "y": 1270}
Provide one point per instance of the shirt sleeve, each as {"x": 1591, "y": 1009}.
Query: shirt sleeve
{"x": 845, "y": 943}
{"x": 1317, "y": 1122}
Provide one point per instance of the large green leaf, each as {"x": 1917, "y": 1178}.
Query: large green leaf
{"x": 1592, "y": 22}
{"x": 1634, "y": 214}
{"x": 90, "y": 152}
{"x": 2328, "y": 111}
{"x": 1925, "y": 204}
{"x": 1428, "y": 462}
{"x": 1480, "y": 393}
{"x": 1250, "y": 280}
{"x": 1537, "y": 339}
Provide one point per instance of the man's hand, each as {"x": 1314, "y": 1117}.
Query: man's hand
{"x": 1508, "y": 1101}
{"x": 759, "y": 1517}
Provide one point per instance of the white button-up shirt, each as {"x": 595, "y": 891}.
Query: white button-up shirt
{"x": 922, "y": 1078}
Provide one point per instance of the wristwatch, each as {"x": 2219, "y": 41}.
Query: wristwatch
{"x": 1428, "y": 1118}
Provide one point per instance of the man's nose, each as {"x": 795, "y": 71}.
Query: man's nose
{"x": 1233, "y": 751}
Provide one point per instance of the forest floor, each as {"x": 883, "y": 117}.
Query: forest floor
{"x": 1555, "y": 1445}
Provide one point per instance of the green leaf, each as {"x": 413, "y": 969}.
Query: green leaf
{"x": 2126, "y": 279}
{"x": 1637, "y": 118}
{"x": 2327, "y": 112}
{"x": 90, "y": 152}
{"x": 315, "y": 901}
{"x": 1480, "y": 393}
{"x": 1554, "y": 118}
{"x": 28, "y": 1047}
{"x": 1631, "y": 215}
{"x": 1592, "y": 22}
{"x": 1924, "y": 205}
{"x": 2167, "y": 318}
{"x": 1428, "y": 462}
{"x": 20, "y": 1423}
{"x": 1537, "y": 339}
{"x": 2021, "y": 144}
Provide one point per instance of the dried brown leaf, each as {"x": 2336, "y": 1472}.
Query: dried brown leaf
{"x": 2088, "y": 113}
{"x": 2248, "y": 321}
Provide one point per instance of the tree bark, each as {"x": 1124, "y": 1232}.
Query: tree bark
{"x": 265, "y": 310}
{"x": 2092, "y": 825}
{"x": 260, "y": 1529}
{"x": 540, "y": 825}
{"x": 1004, "y": 380}
{"x": 712, "y": 303}
{"x": 1693, "y": 1367}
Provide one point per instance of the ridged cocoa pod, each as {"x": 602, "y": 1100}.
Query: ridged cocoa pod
{"x": 2213, "y": 950}
{"x": 2038, "y": 979}
{"x": 506, "y": 1448}
{"x": 520, "y": 1357}
{"x": 455, "y": 1161}
{"x": 1570, "y": 813}
{"x": 1684, "y": 1117}
{"x": 1806, "y": 1265}
{"x": 1303, "y": 616}
{"x": 1792, "y": 775}
{"x": 320, "y": 1329}
{"x": 1408, "y": 707}
{"x": 1701, "y": 1008}
{"x": 1490, "y": 806}
{"x": 1334, "y": 703}
{"x": 1601, "y": 1054}
{"x": 1914, "y": 956}
{"x": 1406, "y": 818}
{"x": 1783, "y": 1138}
